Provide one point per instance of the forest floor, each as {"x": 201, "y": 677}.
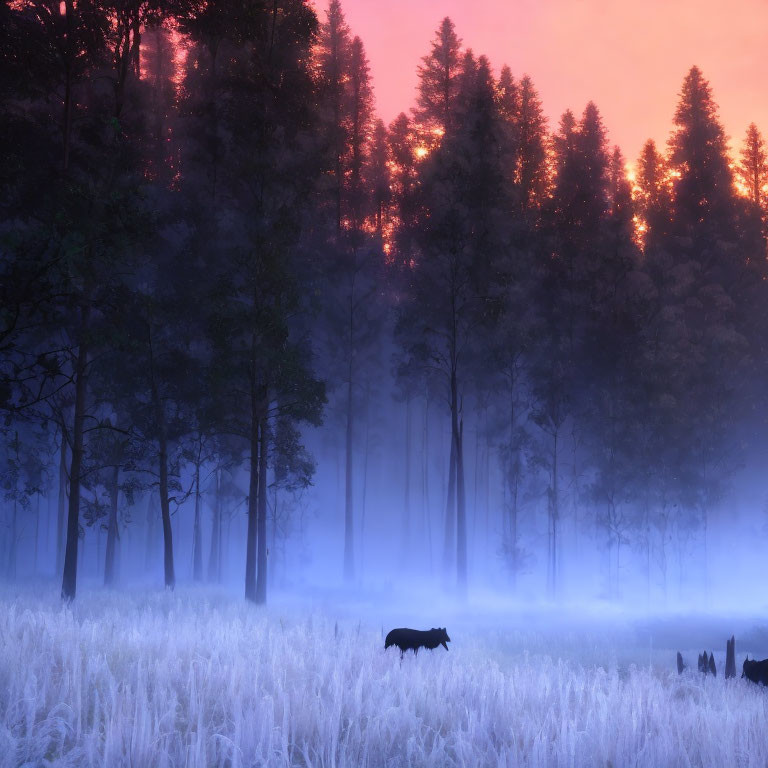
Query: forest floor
{"x": 200, "y": 678}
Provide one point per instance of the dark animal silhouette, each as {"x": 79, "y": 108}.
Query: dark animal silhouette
{"x": 414, "y": 639}
{"x": 680, "y": 665}
{"x": 756, "y": 671}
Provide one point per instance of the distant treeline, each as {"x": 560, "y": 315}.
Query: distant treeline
{"x": 209, "y": 243}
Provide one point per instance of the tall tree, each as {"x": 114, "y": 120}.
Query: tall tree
{"x": 753, "y": 171}
{"x": 654, "y": 196}
{"x": 379, "y": 177}
{"x": 716, "y": 261}
{"x": 438, "y": 79}
{"x": 698, "y": 154}
{"x": 353, "y": 316}
{"x": 531, "y": 167}
{"x": 358, "y": 114}
{"x": 445, "y": 301}
{"x": 260, "y": 363}
{"x": 334, "y": 58}
{"x": 579, "y": 205}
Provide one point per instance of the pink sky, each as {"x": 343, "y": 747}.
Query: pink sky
{"x": 630, "y": 57}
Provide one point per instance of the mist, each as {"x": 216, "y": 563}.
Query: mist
{"x": 282, "y": 386}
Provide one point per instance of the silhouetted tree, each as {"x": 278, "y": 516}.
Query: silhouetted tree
{"x": 334, "y": 59}
{"x": 438, "y": 79}
{"x": 446, "y": 290}
{"x": 654, "y": 196}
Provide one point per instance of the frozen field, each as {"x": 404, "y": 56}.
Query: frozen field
{"x": 188, "y": 679}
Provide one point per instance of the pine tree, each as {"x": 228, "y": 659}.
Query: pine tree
{"x": 709, "y": 294}
{"x": 260, "y": 368}
{"x": 565, "y": 167}
{"x": 593, "y": 164}
{"x": 350, "y": 268}
{"x": 404, "y": 185}
{"x": 334, "y": 57}
{"x": 358, "y": 115}
{"x": 531, "y": 173}
{"x": 580, "y": 194}
{"x": 754, "y": 168}
{"x": 653, "y": 197}
{"x": 508, "y": 97}
{"x": 378, "y": 176}
{"x": 446, "y": 285}
{"x": 575, "y": 219}
{"x": 508, "y": 107}
{"x": 703, "y": 188}
{"x": 620, "y": 194}
{"x": 438, "y": 86}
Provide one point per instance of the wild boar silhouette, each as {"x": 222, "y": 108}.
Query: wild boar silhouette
{"x": 413, "y": 639}
{"x": 756, "y": 671}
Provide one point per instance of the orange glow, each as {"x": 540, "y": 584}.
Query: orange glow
{"x": 178, "y": 43}
{"x": 630, "y": 57}
{"x": 178, "y": 51}
{"x": 421, "y": 152}
{"x": 640, "y": 229}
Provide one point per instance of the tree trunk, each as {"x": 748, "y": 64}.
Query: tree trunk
{"x": 513, "y": 481}
{"x": 730, "y": 658}
{"x": 425, "y": 482}
{"x": 37, "y": 534}
{"x": 367, "y": 450}
{"x": 261, "y": 544}
{"x": 97, "y": 532}
{"x": 213, "y": 558}
{"x": 647, "y": 525}
{"x": 112, "y": 534}
{"x": 705, "y": 520}
{"x": 224, "y": 548}
{"x": 149, "y": 543}
{"x": 553, "y": 520}
{"x": 461, "y": 517}
{"x": 253, "y": 503}
{"x": 60, "y": 522}
{"x": 575, "y": 491}
{"x": 69, "y": 575}
{"x": 450, "y": 509}
{"x": 12, "y": 552}
{"x": 81, "y": 551}
{"x": 165, "y": 509}
{"x": 406, "y": 528}
{"x": 476, "y": 480}
{"x": 487, "y": 483}
{"x": 136, "y": 46}
{"x": 276, "y": 557}
{"x": 197, "y": 548}
{"x": 349, "y": 531}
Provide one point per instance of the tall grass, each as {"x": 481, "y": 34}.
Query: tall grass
{"x": 189, "y": 679}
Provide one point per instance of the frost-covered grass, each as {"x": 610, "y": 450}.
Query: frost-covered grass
{"x": 188, "y": 679}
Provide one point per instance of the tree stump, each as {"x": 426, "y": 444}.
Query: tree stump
{"x": 730, "y": 658}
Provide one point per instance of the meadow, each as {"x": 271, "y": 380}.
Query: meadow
{"x": 200, "y": 678}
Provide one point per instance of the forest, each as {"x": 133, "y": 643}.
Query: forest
{"x": 250, "y": 334}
